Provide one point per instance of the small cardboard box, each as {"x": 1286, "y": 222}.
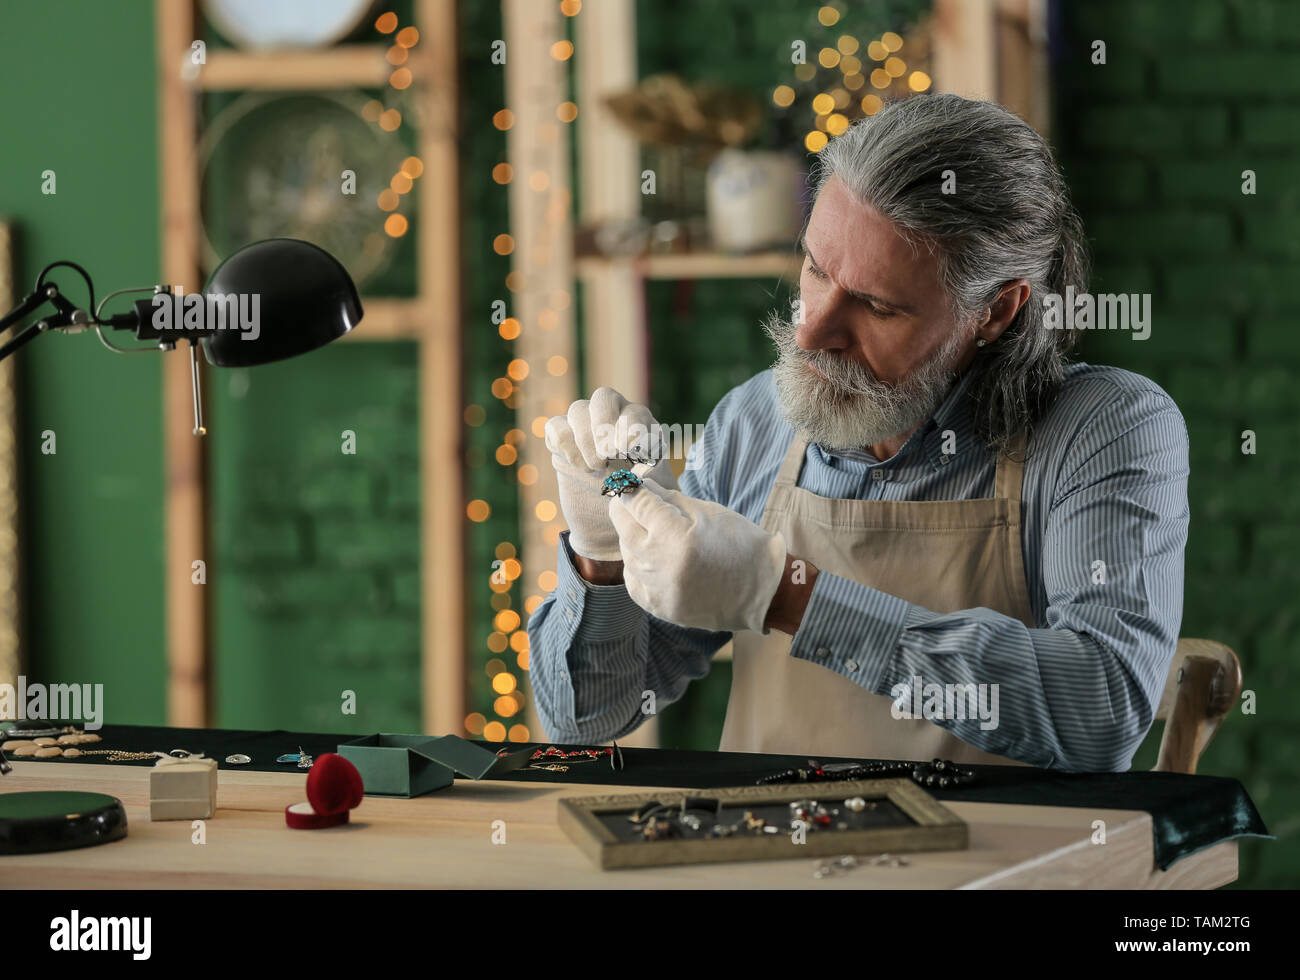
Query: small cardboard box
{"x": 411, "y": 765}
{"x": 183, "y": 789}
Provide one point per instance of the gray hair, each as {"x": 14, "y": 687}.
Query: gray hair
{"x": 1010, "y": 218}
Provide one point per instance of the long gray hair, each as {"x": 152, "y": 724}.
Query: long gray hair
{"x": 1009, "y": 218}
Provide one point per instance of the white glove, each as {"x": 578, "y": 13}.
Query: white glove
{"x": 696, "y": 563}
{"x": 586, "y": 445}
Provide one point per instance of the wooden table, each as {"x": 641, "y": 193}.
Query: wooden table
{"x": 444, "y": 840}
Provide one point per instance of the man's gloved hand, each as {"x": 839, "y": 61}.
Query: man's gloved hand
{"x": 586, "y": 445}
{"x": 696, "y": 563}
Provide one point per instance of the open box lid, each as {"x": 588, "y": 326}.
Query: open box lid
{"x": 470, "y": 760}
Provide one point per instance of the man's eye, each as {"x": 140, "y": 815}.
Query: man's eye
{"x": 817, "y": 273}
{"x": 878, "y": 311}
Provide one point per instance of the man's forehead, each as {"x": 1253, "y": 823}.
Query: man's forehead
{"x": 864, "y": 250}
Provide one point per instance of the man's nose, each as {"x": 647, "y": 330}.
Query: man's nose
{"x": 823, "y": 327}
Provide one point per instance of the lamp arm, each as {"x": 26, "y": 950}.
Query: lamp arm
{"x": 22, "y": 309}
{"x": 22, "y": 339}
{"x": 66, "y": 313}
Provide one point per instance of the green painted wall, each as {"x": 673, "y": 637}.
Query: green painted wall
{"x": 78, "y": 98}
{"x": 1154, "y": 143}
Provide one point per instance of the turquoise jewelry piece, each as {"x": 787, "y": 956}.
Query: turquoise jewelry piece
{"x": 620, "y": 482}
{"x": 302, "y": 758}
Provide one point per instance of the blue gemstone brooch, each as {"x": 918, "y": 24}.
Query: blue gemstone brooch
{"x": 620, "y": 482}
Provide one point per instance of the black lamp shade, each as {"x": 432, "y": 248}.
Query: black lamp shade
{"x": 305, "y": 299}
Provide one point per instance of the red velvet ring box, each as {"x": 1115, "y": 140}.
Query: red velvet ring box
{"x": 334, "y": 788}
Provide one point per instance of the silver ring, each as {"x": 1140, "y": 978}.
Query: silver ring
{"x": 238, "y": 759}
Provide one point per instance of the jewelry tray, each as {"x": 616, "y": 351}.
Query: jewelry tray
{"x": 904, "y": 818}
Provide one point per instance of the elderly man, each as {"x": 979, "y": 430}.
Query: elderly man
{"x": 926, "y": 533}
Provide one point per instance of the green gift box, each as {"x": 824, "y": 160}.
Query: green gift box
{"x": 412, "y": 765}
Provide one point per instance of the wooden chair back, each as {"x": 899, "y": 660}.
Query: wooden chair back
{"x": 1204, "y": 684}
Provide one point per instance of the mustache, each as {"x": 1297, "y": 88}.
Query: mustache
{"x": 844, "y": 375}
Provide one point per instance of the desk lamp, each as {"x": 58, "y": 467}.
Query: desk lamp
{"x": 268, "y": 301}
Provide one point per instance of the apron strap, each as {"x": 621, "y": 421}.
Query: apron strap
{"x": 1010, "y": 470}
{"x": 788, "y": 475}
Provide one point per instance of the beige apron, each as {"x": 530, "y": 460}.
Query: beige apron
{"x": 941, "y": 555}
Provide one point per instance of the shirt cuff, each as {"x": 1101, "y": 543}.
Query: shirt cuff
{"x": 603, "y": 611}
{"x": 851, "y": 629}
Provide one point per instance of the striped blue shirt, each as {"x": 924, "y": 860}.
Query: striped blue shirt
{"x": 1106, "y": 480}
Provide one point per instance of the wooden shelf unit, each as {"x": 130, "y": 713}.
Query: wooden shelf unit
{"x": 697, "y": 265}
{"x": 434, "y": 325}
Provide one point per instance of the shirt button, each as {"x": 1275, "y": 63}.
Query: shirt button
{"x": 573, "y": 594}
{"x": 945, "y": 459}
{"x": 852, "y": 665}
{"x": 877, "y": 475}
{"x": 822, "y": 652}
{"x": 569, "y": 613}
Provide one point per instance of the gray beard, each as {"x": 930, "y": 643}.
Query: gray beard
{"x": 854, "y": 409}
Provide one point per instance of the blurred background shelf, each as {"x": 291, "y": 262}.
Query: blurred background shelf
{"x": 350, "y": 66}
{"x": 697, "y": 265}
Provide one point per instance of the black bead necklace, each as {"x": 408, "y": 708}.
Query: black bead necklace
{"x": 937, "y": 774}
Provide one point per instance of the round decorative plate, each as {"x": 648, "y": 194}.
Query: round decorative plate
{"x": 273, "y": 168}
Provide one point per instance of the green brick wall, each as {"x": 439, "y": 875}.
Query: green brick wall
{"x": 316, "y": 560}
{"x": 1154, "y": 143}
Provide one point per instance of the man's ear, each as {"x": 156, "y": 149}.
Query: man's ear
{"x": 1003, "y": 309}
